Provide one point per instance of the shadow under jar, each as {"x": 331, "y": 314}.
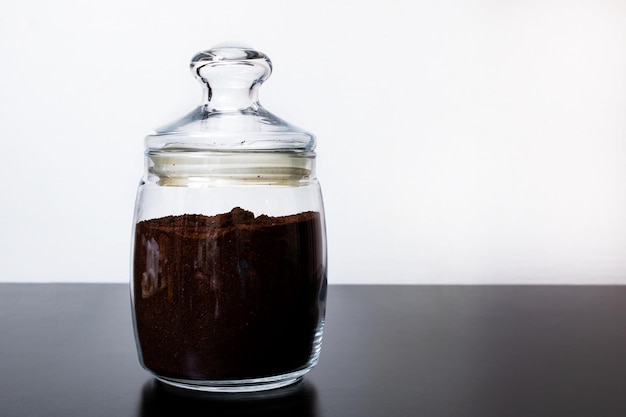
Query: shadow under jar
{"x": 229, "y": 247}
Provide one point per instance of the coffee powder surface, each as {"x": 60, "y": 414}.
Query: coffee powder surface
{"x": 230, "y": 296}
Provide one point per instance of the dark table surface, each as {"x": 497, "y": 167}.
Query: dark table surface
{"x": 68, "y": 350}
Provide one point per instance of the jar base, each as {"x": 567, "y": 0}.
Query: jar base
{"x": 235, "y": 386}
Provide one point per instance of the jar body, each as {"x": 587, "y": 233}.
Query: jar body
{"x": 228, "y": 269}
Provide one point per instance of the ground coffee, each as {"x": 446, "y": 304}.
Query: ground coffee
{"x": 230, "y": 296}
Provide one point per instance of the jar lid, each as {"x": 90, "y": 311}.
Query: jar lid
{"x": 231, "y": 119}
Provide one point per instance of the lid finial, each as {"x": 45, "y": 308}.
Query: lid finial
{"x": 231, "y": 74}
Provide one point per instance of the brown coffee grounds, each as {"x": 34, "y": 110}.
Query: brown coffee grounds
{"x": 230, "y": 296}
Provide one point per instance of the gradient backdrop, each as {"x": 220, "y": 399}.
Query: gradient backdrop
{"x": 475, "y": 141}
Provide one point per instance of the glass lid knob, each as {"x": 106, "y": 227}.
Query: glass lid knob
{"x": 231, "y": 75}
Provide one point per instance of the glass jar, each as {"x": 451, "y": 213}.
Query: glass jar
{"x": 229, "y": 248}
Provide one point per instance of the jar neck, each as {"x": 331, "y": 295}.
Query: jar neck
{"x": 202, "y": 168}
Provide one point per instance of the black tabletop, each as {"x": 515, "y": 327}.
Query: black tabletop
{"x": 68, "y": 350}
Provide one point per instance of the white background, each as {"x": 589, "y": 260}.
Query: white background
{"x": 476, "y": 141}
